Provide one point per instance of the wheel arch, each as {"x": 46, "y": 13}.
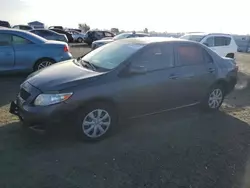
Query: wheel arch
{"x": 222, "y": 82}
{"x": 40, "y": 59}
{"x": 105, "y": 100}
{"x": 231, "y": 55}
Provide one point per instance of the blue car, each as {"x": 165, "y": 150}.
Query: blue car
{"x": 22, "y": 51}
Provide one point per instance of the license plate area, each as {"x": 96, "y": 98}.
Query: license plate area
{"x": 14, "y": 109}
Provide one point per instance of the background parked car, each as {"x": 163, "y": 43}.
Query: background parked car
{"x": 23, "y": 27}
{"x": 103, "y": 41}
{"x": 92, "y": 36}
{"x": 56, "y": 27}
{"x": 77, "y": 36}
{"x": 24, "y": 51}
{"x": 50, "y": 35}
{"x": 223, "y": 44}
{"x": 68, "y": 35}
{"x": 4, "y": 24}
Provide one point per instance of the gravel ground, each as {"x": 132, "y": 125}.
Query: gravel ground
{"x": 185, "y": 148}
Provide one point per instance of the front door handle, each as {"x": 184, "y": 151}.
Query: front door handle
{"x": 173, "y": 77}
{"x": 211, "y": 70}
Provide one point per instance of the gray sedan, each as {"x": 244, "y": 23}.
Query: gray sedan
{"x": 50, "y": 35}
{"x": 125, "y": 79}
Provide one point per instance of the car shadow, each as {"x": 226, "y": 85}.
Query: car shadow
{"x": 10, "y": 87}
{"x": 185, "y": 148}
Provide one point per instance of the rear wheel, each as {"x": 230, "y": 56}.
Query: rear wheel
{"x": 42, "y": 63}
{"x": 214, "y": 98}
{"x": 96, "y": 121}
{"x": 80, "y": 40}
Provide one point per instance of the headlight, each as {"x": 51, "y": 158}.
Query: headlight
{"x": 48, "y": 99}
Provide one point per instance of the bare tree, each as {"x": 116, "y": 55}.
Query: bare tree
{"x": 114, "y": 30}
{"x": 84, "y": 27}
{"x": 145, "y": 30}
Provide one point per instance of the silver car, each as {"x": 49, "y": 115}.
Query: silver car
{"x": 77, "y": 36}
{"x": 107, "y": 40}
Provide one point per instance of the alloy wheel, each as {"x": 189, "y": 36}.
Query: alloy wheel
{"x": 215, "y": 98}
{"x": 44, "y": 64}
{"x": 96, "y": 123}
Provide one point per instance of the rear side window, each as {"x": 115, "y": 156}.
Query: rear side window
{"x": 16, "y": 40}
{"x": 222, "y": 41}
{"x": 107, "y": 34}
{"x": 189, "y": 54}
{"x": 5, "y": 39}
{"x": 156, "y": 57}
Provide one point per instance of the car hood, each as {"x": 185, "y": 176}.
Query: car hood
{"x": 61, "y": 76}
{"x": 104, "y": 41}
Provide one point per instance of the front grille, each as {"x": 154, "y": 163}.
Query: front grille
{"x": 24, "y": 94}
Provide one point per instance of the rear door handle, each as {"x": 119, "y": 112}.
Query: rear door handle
{"x": 173, "y": 77}
{"x": 211, "y": 70}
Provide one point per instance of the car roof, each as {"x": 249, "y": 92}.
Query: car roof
{"x": 11, "y": 30}
{"x": 149, "y": 40}
{"x": 204, "y": 33}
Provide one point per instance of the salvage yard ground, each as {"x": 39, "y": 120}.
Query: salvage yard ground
{"x": 185, "y": 148}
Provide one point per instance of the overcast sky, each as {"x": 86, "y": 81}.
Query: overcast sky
{"x": 157, "y": 15}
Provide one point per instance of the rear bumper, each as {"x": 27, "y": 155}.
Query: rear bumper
{"x": 64, "y": 57}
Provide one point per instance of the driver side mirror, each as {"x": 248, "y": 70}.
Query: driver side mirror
{"x": 206, "y": 44}
{"x": 137, "y": 69}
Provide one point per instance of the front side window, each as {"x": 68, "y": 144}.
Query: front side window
{"x": 5, "y": 39}
{"x": 99, "y": 34}
{"x": 16, "y": 40}
{"x": 159, "y": 56}
{"x": 111, "y": 55}
{"x": 189, "y": 54}
{"x": 209, "y": 42}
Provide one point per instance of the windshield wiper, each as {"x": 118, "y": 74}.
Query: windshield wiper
{"x": 88, "y": 64}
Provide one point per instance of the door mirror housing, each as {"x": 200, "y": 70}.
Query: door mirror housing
{"x": 206, "y": 44}
{"x": 137, "y": 69}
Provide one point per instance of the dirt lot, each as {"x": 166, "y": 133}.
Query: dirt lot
{"x": 185, "y": 148}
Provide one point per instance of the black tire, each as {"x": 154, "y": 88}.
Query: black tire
{"x": 205, "y": 103}
{"x": 41, "y": 61}
{"x": 80, "y": 40}
{"x": 83, "y": 115}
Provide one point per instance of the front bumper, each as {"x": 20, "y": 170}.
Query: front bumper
{"x": 39, "y": 115}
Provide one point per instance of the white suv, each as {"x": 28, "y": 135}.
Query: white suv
{"x": 222, "y": 44}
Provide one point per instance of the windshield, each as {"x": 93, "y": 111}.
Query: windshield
{"x": 111, "y": 55}
{"x": 121, "y": 36}
{"x": 196, "y": 38}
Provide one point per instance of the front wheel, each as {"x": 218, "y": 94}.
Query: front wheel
{"x": 214, "y": 98}
{"x": 96, "y": 121}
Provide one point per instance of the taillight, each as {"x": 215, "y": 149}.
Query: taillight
{"x": 66, "y": 48}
